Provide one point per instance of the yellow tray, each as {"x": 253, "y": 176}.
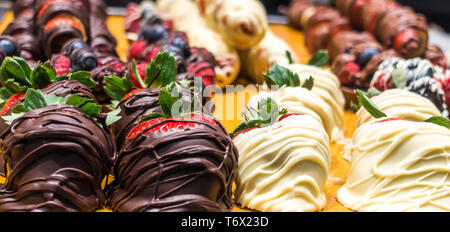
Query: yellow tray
{"x": 231, "y": 116}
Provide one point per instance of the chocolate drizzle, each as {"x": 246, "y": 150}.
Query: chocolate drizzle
{"x": 176, "y": 170}
{"x": 132, "y": 109}
{"x": 68, "y": 88}
{"x": 57, "y": 157}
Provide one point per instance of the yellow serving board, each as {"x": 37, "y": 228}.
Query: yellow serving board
{"x": 230, "y": 117}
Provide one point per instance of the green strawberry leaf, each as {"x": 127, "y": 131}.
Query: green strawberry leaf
{"x": 252, "y": 123}
{"x": 5, "y": 94}
{"x": 289, "y": 57}
{"x": 40, "y": 76}
{"x": 14, "y": 70}
{"x": 369, "y": 105}
{"x": 309, "y": 83}
{"x": 14, "y": 87}
{"x": 372, "y": 92}
{"x": 136, "y": 74}
{"x": 23, "y": 63}
{"x": 162, "y": 71}
{"x": 34, "y": 99}
{"x": 85, "y": 104}
{"x": 166, "y": 101}
{"x": 441, "y": 121}
{"x": 18, "y": 109}
{"x": 266, "y": 114}
{"x": 84, "y": 78}
{"x": 10, "y": 118}
{"x": 355, "y": 107}
{"x": 117, "y": 87}
{"x": 319, "y": 59}
{"x": 113, "y": 117}
{"x": 281, "y": 76}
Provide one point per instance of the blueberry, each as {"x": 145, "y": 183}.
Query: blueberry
{"x": 8, "y": 47}
{"x": 154, "y": 33}
{"x": 75, "y": 45}
{"x": 88, "y": 63}
{"x": 180, "y": 43}
{"x": 365, "y": 56}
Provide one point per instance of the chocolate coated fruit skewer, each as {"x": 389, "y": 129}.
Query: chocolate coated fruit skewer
{"x": 395, "y": 26}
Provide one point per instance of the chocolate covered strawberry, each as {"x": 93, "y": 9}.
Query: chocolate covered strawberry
{"x": 186, "y": 163}
{"x": 17, "y": 77}
{"x": 266, "y": 114}
{"x": 140, "y": 97}
{"x": 68, "y": 152}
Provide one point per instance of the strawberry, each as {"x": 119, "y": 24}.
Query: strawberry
{"x": 388, "y": 120}
{"x": 141, "y": 68}
{"x": 133, "y": 92}
{"x": 346, "y": 75}
{"x": 150, "y": 54}
{"x": 47, "y": 4}
{"x": 12, "y": 101}
{"x": 245, "y": 131}
{"x": 132, "y": 18}
{"x": 62, "y": 65}
{"x": 65, "y": 19}
{"x": 383, "y": 82}
{"x": 203, "y": 70}
{"x": 404, "y": 37}
{"x": 287, "y": 116}
{"x": 166, "y": 124}
{"x": 136, "y": 48}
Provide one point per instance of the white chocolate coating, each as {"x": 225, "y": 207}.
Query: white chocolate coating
{"x": 400, "y": 103}
{"x": 398, "y": 166}
{"x": 328, "y": 87}
{"x": 241, "y": 23}
{"x": 300, "y": 100}
{"x": 283, "y": 167}
{"x": 188, "y": 19}
{"x": 258, "y": 60}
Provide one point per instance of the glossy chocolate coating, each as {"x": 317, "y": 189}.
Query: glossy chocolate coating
{"x": 63, "y": 89}
{"x": 395, "y": 21}
{"x": 58, "y": 157}
{"x": 187, "y": 170}
{"x": 132, "y": 109}
{"x": 54, "y": 39}
{"x": 68, "y": 88}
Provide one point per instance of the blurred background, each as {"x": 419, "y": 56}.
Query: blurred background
{"x": 436, "y": 11}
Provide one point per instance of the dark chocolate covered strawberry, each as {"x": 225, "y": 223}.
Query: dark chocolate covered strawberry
{"x": 137, "y": 94}
{"x": 57, "y": 155}
{"x": 17, "y": 77}
{"x": 186, "y": 163}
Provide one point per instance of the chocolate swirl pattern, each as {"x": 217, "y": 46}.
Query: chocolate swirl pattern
{"x": 398, "y": 166}
{"x": 176, "y": 170}
{"x": 328, "y": 87}
{"x": 283, "y": 167}
{"x": 57, "y": 157}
